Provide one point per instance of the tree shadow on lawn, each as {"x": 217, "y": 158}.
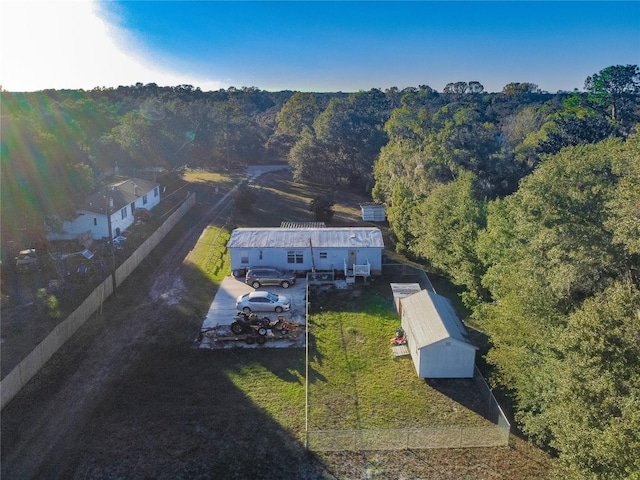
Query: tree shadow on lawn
{"x": 181, "y": 416}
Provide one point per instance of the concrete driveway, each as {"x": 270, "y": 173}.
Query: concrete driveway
{"x": 223, "y": 307}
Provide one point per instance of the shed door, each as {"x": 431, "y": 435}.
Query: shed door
{"x": 352, "y": 259}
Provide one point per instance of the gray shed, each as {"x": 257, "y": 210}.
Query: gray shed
{"x": 356, "y": 251}
{"x": 373, "y": 212}
{"x": 437, "y": 340}
{"x": 403, "y": 290}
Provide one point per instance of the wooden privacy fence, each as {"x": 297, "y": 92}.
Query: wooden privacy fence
{"x": 17, "y": 378}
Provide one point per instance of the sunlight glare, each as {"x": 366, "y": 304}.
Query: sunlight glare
{"x": 67, "y": 45}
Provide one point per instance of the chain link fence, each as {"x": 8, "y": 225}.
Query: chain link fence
{"x": 407, "y": 438}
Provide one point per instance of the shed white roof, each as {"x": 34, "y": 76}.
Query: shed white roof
{"x": 431, "y": 319}
{"x": 337, "y": 237}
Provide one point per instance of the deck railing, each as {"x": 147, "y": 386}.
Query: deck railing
{"x": 362, "y": 270}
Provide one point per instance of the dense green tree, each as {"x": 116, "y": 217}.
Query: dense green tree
{"x": 624, "y": 207}
{"x": 569, "y": 131}
{"x": 517, "y": 88}
{"x": 596, "y": 420}
{"x": 309, "y": 160}
{"x": 296, "y": 115}
{"x": 461, "y": 88}
{"x": 549, "y": 240}
{"x": 347, "y": 136}
{"x": 43, "y": 167}
{"x": 402, "y": 201}
{"x": 616, "y": 88}
{"x": 299, "y": 112}
{"x": 322, "y": 208}
{"x": 520, "y": 134}
{"x": 445, "y": 226}
{"x": 243, "y": 198}
{"x": 136, "y": 135}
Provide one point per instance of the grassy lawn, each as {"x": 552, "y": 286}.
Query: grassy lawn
{"x": 355, "y": 383}
{"x": 203, "y": 177}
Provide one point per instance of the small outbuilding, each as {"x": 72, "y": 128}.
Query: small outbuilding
{"x": 356, "y": 251}
{"x": 437, "y": 339}
{"x": 403, "y": 290}
{"x": 373, "y": 212}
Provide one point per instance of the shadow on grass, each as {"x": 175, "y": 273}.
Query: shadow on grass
{"x": 463, "y": 391}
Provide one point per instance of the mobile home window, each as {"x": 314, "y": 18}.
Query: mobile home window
{"x": 244, "y": 257}
{"x": 295, "y": 256}
{"x": 323, "y": 254}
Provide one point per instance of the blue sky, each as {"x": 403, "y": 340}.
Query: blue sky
{"x": 314, "y": 46}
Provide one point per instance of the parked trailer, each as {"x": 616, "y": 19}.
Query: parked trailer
{"x": 252, "y": 330}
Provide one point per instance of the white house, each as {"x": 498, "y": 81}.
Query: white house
{"x": 116, "y": 204}
{"x": 356, "y": 251}
{"x": 437, "y": 339}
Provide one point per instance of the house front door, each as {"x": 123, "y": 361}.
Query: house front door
{"x": 353, "y": 255}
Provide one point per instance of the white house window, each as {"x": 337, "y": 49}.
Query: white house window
{"x": 144, "y": 199}
{"x": 156, "y": 192}
{"x": 123, "y": 213}
{"x": 295, "y": 256}
{"x": 244, "y": 257}
{"x": 133, "y": 207}
{"x": 323, "y": 254}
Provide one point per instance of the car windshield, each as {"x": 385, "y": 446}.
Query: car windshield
{"x": 273, "y": 297}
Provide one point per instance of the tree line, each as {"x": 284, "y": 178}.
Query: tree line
{"x": 527, "y": 200}
{"x": 534, "y": 210}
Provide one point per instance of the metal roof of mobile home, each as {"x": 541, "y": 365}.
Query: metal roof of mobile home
{"x": 432, "y": 319}
{"x": 344, "y": 237}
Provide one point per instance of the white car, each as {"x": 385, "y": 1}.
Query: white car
{"x": 263, "y": 301}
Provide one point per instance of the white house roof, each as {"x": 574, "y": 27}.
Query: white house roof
{"x": 121, "y": 194}
{"x": 431, "y": 319}
{"x": 344, "y": 237}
